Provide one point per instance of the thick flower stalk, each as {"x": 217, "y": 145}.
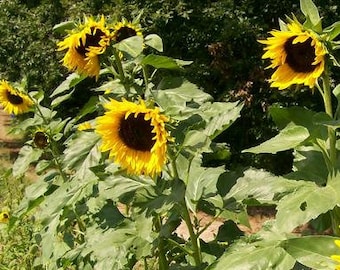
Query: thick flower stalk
{"x": 12, "y": 100}
{"x": 135, "y": 136}
{"x": 84, "y": 45}
{"x": 297, "y": 55}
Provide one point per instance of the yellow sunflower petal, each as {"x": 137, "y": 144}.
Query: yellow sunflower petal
{"x": 84, "y": 45}
{"x": 13, "y": 101}
{"x": 134, "y": 135}
{"x": 296, "y": 54}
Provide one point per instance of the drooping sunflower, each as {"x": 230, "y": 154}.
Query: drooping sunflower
{"x": 84, "y": 45}
{"x": 297, "y": 54}
{"x": 336, "y": 257}
{"x": 125, "y": 29}
{"x": 40, "y": 139}
{"x": 135, "y": 136}
{"x": 12, "y": 100}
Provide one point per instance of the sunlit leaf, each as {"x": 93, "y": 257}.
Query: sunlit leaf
{"x": 159, "y": 61}
{"x": 132, "y": 45}
{"x": 313, "y": 251}
{"x": 82, "y": 152}
{"x": 310, "y": 10}
{"x": 288, "y": 138}
{"x": 27, "y": 155}
{"x": 249, "y": 257}
{"x": 201, "y": 183}
{"x": 71, "y": 81}
{"x": 154, "y": 41}
{"x": 219, "y": 116}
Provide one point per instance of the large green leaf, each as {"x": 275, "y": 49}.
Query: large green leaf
{"x": 113, "y": 248}
{"x": 160, "y": 61}
{"x": 257, "y": 258}
{"x": 132, "y": 45}
{"x": 154, "y": 41}
{"x": 313, "y": 251}
{"x": 307, "y": 203}
{"x": 201, "y": 183}
{"x": 310, "y": 10}
{"x": 263, "y": 187}
{"x": 27, "y": 155}
{"x": 219, "y": 116}
{"x": 288, "y": 138}
{"x": 71, "y": 81}
{"x": 82, "y": 151}
{"x": 177, "y": 93}
{"x": 115, "y": 186}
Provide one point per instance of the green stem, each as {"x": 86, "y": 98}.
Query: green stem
{"x": 120, "y": 69}
{"x": 53, "y": 147}
{"x": 163, "y": 263}
{"x": 197, "y": 255}
{"x": 327, "y": 98}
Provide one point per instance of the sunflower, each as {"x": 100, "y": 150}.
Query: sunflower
{"x": 297, "y": 54}
{"x": 12, "y": 100}
{"x": 336, "y": 257}
{"x": 125, "y": 29}
{"x": 4, "y": 217}
{"x": 84, "y": 45}
{"x": 40, "y": 139}
{"x": 135, "y": 136}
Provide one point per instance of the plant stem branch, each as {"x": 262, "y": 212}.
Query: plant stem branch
{"x": 197, "y": 255}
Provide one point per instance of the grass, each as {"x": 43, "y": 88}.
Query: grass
{"x": 17, "y": 245}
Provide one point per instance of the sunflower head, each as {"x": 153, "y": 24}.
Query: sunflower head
{"x": 84, "y": 45}
{"x": 297, "y": 55}
{"x": 4, "y": 217}
{"x": 125, "y": 29}
{"x": 135, "y": 136}
{"x": 40, "y": 139}
{"x": 12, "y": 100}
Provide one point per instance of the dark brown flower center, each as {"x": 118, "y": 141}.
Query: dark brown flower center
{"x": 301, "y": 55}
{"x": 136, "y": 132}
{"x": 92, "y": 39}
{"x": 5, "y": 216}
{"x": 40, "y": 139}
{"x": 124, "y": 32}
{"x": 14, "y": 99}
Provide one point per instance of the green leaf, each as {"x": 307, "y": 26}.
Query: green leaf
{"x": 63, "y": 27}
{"x": 263, "y": 187}
{"x": 27, "y": 155}
{"x": 219, "y": 116}
{"x": 154, "y": 41}
{"x": 288, "y": 138}
{"x": 250, "y": 257}
{"x": 333, "y": 30}
{"x": 132, "y": 45}
{"x": 311, "y": 12}
{"x": 313, "y": 251}
{"x": 174, "y": 95}
{"x": 113, "y": 187}
{"x": 82, "y": 152}
{"x": 71, "y": 81}
{"x": 89, "y": 107}
{"x": 309, "y": 165}
{"x": 56, "y": 101}
{"x": 201, "y": 184}
{"x": 159, "y": 61}
{"x": 307, "y": 203}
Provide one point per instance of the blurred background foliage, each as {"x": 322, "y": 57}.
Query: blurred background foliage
{"x": 219, "y": 36}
